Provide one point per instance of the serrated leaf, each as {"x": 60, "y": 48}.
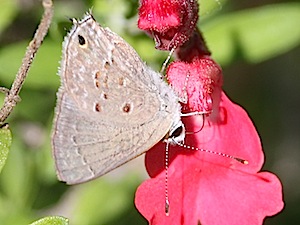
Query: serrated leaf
{"x": 51, "y": 220}
{"x": 5, "y": 143}
{"x": 256, "y": 34}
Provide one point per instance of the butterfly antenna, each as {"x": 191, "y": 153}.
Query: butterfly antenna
{"x": 167, "y": 203}
{"x": 243, "y": 161}
{"x": 195, "y": 113}
{"x": 167, "y": 60}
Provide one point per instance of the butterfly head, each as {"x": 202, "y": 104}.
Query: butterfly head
{"x": 176, "y": 133}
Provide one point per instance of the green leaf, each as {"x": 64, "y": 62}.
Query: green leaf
{"x": 256, "y": 34}
{"x": 52, "y": 220}
{"x": 112, "y": 14}
{"x": 5, "y": 142}
{"x": 103, "y": 201}
{"x": 43, "y": 72}
{"x": 18, "y": 186}
{"x": 209, "y": 8}
{"x": 9, "y": 10}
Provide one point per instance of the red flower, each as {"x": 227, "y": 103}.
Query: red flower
{"x": 208, "y": 189}
{"x": 202, "y": 78}
{"x": 203, "y": 188}
{"x": 170, "y": 22}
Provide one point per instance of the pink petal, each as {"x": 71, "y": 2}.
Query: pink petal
{"x": 209, "y": 188}
{"x": 201, "y": 79}
{"x": 223, "y": 197}
{"x": 159, "y": 15}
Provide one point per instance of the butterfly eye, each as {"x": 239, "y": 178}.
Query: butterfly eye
{"x": 82, "y": 42}
{"x": 177, "y": 132}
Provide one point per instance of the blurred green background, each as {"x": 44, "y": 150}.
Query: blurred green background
{"x": 255, "y": 41}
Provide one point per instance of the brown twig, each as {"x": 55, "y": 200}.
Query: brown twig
{"x": 12, "y": 95}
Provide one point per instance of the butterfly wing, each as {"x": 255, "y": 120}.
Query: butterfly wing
{"x": 111, "y": 106}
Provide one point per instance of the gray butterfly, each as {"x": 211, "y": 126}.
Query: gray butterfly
{"x": 110, "y": 108}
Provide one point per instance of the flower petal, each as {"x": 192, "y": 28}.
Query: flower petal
{"x": 203, "y": 185}
{"x": 201, "y": 80}
{"x": 170, "y": 22}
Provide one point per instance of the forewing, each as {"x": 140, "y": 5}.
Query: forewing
{"x": 106, "y": 77}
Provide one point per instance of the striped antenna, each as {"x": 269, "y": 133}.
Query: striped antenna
{"x": 243, "y": 161}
